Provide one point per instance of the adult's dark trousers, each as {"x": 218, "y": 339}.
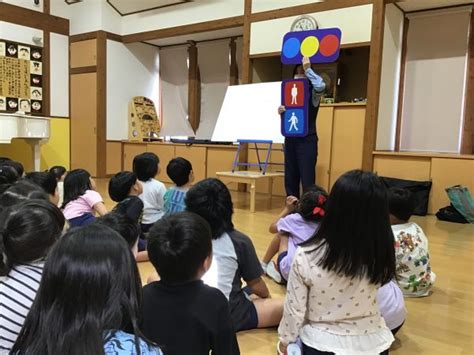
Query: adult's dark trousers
{"x": 300, "y": 163}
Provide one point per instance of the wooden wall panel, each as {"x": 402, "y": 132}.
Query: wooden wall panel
{"x": 347, "y": 142}
{"x": 220, "y": 159}
{"x": 197, "y": 157}
{"x": 114, "y": 158}
{"x": 408, "y": 168}
{"x": 83, "y": 53}
{"x": 130, "y": 150}
{"x": 165, "y": 153}
{"x": 84, "y": 122}
{"x": 325, "y": 127}
{"x": 446, "y": 173}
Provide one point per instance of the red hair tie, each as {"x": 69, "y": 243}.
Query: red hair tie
{"x": 321, "y": 199}
{"x": 318, "y": 211}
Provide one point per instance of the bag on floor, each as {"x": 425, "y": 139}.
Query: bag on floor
{"x": 462, "y": 201}
{"x": 450, "y": 214}
{"x": 419, "y": 189}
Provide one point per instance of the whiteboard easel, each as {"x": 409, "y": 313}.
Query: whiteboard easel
{"x": 250, "y": 112}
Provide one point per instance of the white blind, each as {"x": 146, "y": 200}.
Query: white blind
{"x": 435, "y": 78}
{"x": 214, "y": 66}
{"x": 174, "y": 91}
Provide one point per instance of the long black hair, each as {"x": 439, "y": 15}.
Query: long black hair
{"x": 211, "y": 200}
{"x": 355, "y": 233}
{"x": 90, "y": 288}
{"x": 76, "y": 183}
{"x": 27, "y": 232}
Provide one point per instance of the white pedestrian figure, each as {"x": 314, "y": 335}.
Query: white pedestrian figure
{"x": 294, "y": 95}
{"x": 294, "y": 121}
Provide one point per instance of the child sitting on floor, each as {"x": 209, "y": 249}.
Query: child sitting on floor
{"x": 95, "y": 310}
{"x": 60, "y": 173}
{"x": 234, "y": 259}
{"x": 414, "y": 273}
{"x": 28, "y": 231}
{"x": 332, "y": 287}
{"x": 47, "y": 181}
{"x": 146, "y": 167}
{"x": 124, "y": 188}
{"x": 128, "y": 229}
{"x": 81, "y": 200}
{"x": 180, "y": 249}
{"x": 181, "y": 173}
{"x": 293, "y": 229}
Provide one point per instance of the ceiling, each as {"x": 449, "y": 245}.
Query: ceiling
{"x": 416, "y": 5}
{"x": 128, "y": 7}
{"x": 198, "y": 37}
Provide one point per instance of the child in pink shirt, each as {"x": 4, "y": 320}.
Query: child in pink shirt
{"x": 81, "y": 201}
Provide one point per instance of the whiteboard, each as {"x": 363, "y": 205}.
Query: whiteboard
{"x": 250, "y": 112}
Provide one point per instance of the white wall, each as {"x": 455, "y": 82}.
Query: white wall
{"x": 435, "y": 77}
{"x": 28, "y": 4}
{"x": 183, "y": 14}
{"x": 87, "y": 16}
{"x": 17, "y": 33}
{"x": 354, "y": 22}
{"x": 266, "y": 5}
{"x": 111, "y": 20}
{"x": 132, "y": 70}
{"x": 390, "y": 79}
{"x": 83, "y": 17}
{"x": 59, "y": 79}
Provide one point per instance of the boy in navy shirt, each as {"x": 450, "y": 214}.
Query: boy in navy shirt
{"x": 180, "y": 312}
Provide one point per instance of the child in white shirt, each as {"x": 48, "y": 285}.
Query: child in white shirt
{"x": 146, "y": 167}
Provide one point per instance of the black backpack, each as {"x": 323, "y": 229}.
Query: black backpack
{"x": 450, "y": 214}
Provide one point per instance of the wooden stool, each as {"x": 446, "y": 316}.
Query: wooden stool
{"x": 250, "y": 178}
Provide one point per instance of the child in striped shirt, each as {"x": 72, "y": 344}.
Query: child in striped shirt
{"x": 181, "y": 173}
{"x": 27, "y": 233}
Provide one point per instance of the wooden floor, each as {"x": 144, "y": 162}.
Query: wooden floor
{"x": 440, "y": 324}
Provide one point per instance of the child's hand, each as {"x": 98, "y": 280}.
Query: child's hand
{"x": 281, "y": 109}
{"x": 290, "y": 203}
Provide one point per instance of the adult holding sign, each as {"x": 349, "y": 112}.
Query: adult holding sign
{"x": 301, "y": 148}
{"x": 300, "y": 101}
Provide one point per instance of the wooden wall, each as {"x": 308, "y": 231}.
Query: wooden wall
{"x": 340, "y": 130}
{"x": 444, "y": 170}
